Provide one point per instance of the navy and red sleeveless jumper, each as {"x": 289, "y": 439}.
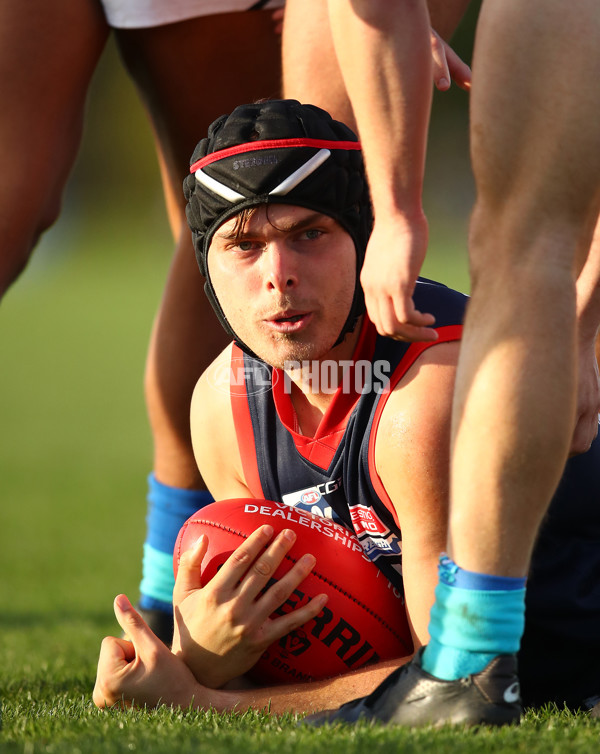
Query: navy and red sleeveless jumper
{"x": 333, "y": 474}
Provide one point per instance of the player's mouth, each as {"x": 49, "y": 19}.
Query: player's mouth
{"x": 289, "y": 322}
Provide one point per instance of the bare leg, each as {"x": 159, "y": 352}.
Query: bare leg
{"x": 179, "y": 70}
{"x": 45, "y": 70}
{"x": 311, "y": 73}
{"x": 536, "y": 158}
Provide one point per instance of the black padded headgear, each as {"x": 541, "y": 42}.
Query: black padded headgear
{"x": 278, "y": 152}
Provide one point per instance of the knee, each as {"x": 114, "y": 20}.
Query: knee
{"x": 21, "y": 232}
{"x": 513, "y": 255}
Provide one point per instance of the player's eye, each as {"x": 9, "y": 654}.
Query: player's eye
{"x": 244, "y": 245}
{"x": 313, "y": 233}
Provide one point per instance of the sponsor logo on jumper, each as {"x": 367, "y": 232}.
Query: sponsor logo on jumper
{"x": 375, "y": 547}
{"x": 375, "y": 537}
{"x": 366, "y": 521}
{"x": 328, "y": 528}
{"x": 312, "y": 499}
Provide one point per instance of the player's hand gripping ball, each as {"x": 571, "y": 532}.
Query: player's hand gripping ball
{"x": 364, "y": 619}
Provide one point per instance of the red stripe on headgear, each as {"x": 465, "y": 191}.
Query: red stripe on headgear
{"x": 255, "y": 146}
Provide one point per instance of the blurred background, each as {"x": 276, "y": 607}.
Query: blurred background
{"x": 75, "y": 447}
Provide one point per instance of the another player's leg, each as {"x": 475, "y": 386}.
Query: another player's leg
{"x": 48, "y": 53}
{"x": 536, "y": 158}
{"x": 311, "y": 73}
{"x": 185, "y": 85}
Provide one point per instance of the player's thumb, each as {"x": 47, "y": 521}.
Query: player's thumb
{"x": 134, "y": 626}
{"x": 189, "y": 573}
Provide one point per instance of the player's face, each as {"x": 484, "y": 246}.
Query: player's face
{"x": 285, "y": 281}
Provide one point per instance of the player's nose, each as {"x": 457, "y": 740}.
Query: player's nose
{"x": 280, "y": 267}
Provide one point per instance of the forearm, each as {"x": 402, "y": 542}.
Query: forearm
{"x": 384, "y": 53}
{"x": 303, "y": 697}
{"x": 307, "y": 697}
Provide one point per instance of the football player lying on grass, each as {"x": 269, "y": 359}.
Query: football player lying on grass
{"x": 280, "y": 216}
{"x": 287, "y": 281}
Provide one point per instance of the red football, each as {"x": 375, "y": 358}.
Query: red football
{"x": 364, "y": 619}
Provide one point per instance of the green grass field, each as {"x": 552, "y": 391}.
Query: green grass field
{"x": 74, "y": 454}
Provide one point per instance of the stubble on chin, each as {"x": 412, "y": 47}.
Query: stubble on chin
{"x": 285, "y": 349}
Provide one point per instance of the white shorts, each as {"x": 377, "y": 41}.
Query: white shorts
{"x": 142, "y": 14}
